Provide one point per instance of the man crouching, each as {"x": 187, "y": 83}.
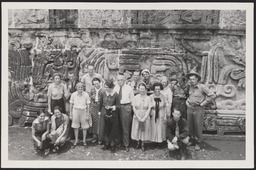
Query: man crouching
{"x": 177, "y": 134}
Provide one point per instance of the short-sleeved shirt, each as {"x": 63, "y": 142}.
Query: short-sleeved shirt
{"x": 87, "y": 80}
{"x": 41, "y": 127}
{"x": 127, "y": 93}
{"x": 56, "y": 91}
{"x": 199, "y": 93}
{"x": 80, "y": 101}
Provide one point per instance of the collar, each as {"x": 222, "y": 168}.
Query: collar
{"x": 80, "y": 94}
{"x": 196, "y": 86}
{"x": 98, "y": 89}
{"x": 111, "y": 94}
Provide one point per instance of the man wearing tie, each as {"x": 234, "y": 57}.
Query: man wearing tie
{"x": 177, "y": 133}
{"x": 126, "y": 97}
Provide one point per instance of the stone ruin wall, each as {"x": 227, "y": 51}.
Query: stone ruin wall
{"x": 211, "y": 42}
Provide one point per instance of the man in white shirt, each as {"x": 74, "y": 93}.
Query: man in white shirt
{"x": 126, "y": 97}
{"x": 87, "y": 78}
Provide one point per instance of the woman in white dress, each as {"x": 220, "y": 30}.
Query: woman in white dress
{"x": 141, "y": 129}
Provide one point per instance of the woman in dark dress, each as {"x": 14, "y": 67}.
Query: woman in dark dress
{"x": 109, "y": 125}
{"x": 95, "y": 94}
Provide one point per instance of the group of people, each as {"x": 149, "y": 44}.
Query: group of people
{"x": 131, "y": 107}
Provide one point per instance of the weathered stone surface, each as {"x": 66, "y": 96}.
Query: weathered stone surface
{"x": 63, "y": 18}
{"x": 10, "y": 121}
{"x": 175, "y": 19}
{"x": 232, "y": 19}
{"x": 30, "y": 18}
{"x": 113, "y": 41}
{"x": 104, "y": 18}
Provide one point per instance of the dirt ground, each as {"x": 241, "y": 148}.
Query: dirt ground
{"x": 20, "y": 147}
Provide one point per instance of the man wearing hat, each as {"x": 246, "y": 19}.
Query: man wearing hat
{"x": 179, "y": 89}
{"x": 199, "y": 96}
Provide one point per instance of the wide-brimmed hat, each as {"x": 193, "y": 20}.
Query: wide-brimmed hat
{"x": 193, "y": 73}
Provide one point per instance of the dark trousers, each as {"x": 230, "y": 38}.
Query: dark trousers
{"x": 180, "y": 103}
{"x": 45, "y": 144}
{"x": 126, "y": 121}
{"x": 195, "y": 122}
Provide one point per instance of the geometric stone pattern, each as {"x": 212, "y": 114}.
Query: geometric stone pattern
{"x": 110, "y": 45}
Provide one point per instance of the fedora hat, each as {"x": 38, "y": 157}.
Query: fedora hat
{"x": 193, "y": 73}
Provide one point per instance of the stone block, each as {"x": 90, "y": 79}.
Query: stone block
{"x": 233, "y": 19}
{"x": 31, "y": 18}
{"x": 103, "y": 18}
{"x": 10, "y": 121}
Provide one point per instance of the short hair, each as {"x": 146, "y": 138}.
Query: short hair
{"x": 96, "y": 79}
{"x": 57, "y": 108}
{"x": 175, "y": 108}
{"x": 138, "y": 71}
{"x": 142, "y": 84}
{"x": 110, "y": 84}
{"x": 157, "y": 84}
{"x": 40, "y": 112}
{"x": 80, "y": 83}
{"x": 90, "y": 65}
{"x": 56, "y": 74}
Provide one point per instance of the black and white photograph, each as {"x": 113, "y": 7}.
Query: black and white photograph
{"x": 153, "y": 85}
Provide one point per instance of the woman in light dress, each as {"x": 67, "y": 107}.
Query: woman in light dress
{"x": 141, "y": 129}
{"x": 158, "y": 114}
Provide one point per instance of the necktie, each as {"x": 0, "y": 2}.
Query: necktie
{"x": 120, "y": 93}
{"x": 177, "y": 133}
{"x": 157, "y": 100}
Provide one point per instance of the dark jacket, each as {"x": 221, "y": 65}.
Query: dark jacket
{"x": 171, "y": 127}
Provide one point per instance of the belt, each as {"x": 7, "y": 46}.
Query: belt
{"x": 178, "y": 97}
{"x": 126, "y": 104}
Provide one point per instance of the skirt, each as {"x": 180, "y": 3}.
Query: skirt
{"x": 60, "y": 103}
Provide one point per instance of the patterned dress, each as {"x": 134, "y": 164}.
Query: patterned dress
{"x": 141, "y": 130}
{"x": 94, "y": 109}
{"x": 158, "y": 124}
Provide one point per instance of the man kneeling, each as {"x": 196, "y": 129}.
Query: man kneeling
{"x": 177, "y": 133}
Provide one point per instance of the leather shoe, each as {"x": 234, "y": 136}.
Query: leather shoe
{"x": 127, "y": 149}
{"x": 113, "y": 149}
{"x": 105, "y": 147}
